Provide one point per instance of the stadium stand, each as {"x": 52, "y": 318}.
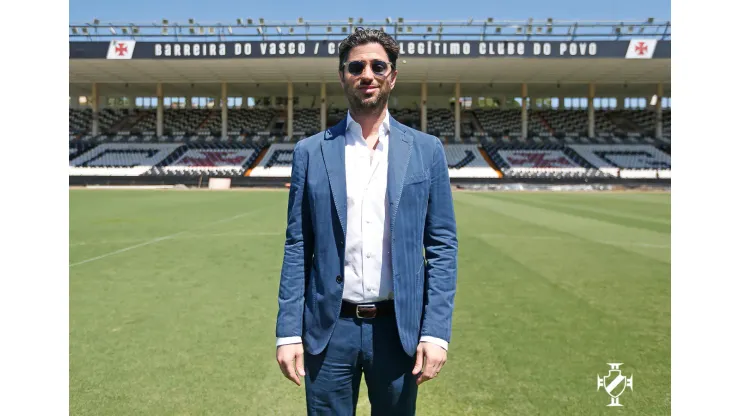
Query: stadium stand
{"x": 557, "y": 149}
{"x": 626, "y": 161}
{"x": 204, "y": 160}
{"x": 277, "y": 161}
{"x": 494, "y": 124}
{"x": 120, "y": 159}
{"x": 466, "y": 161}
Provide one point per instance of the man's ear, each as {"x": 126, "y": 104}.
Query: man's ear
{"x": 393, "y": 78}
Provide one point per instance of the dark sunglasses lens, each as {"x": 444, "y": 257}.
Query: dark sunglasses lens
{"x": 355, "y": 67}
{"x": 379, "y": 67}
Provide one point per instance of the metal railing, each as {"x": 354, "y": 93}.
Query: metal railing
{"x": 472, "y": 29}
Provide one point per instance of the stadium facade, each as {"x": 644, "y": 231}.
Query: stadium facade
{"x": 512, "y": 101}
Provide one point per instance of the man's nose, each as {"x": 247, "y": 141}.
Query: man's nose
{"x": 367, "y": 73}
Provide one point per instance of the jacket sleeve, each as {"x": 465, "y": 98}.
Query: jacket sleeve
{"x": 298, "y": 251}
{"x": 440, "y": 245}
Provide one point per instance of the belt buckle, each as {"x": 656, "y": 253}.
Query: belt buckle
{"x": 368, "y": 306}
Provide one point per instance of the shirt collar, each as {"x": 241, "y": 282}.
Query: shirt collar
{"x": 384, "y": 127}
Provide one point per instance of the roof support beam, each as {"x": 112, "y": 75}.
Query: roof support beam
{"x": 224, "y": 111}
{"x": 591, "y": 113}
{"x": 160, "y": 110}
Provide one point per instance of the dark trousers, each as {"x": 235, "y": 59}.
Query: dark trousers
{"x": 357, "y": 346}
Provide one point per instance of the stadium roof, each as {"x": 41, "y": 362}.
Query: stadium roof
{"x": 476, "y": 75}
{"x": 555, "y": 75}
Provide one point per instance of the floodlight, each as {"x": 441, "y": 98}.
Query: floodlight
{"x": 112, "y": 31}
{"x": 387, "y": 19}
{"x": 400, "y": 20}
{"x": 262, "y": 21}
{"x": 249, "y": 21}
{"x": 191, "y": 21}
{"x": 490, "y": 20}
{"x": 300, "y": 20}
{"x": 96, "y": 22}
{"x": 74, "y": 30}
{"x": 239, "y": 21}
{"x": 350, "y": 20}
{"x": 165, "y": 22}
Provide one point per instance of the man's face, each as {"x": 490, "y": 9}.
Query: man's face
{"x": 367, "y": 90}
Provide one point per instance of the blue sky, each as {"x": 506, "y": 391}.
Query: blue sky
{"x": 211, "y": 11}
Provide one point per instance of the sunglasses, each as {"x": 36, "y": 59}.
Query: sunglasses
{"x": 377, "y": 66}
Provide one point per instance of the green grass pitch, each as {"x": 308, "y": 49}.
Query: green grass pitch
{"x": 173, "y": 304}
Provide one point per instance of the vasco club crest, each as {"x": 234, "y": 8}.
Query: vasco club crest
{"x": 614, "y": 383}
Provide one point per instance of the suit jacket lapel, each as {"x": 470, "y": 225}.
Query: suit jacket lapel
{"x": 399, "y": 151}
{"x": 332, "y": 149}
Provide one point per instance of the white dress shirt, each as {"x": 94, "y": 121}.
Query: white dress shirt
{"x": 368, "y": 272}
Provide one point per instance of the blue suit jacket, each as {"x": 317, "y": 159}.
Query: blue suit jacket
{"x": 423, "y": 236}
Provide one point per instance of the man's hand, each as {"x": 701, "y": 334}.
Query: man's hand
{"x": 290, "y": 359}
{"x": 432, "y": 357}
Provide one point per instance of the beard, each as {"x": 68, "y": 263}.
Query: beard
{"x": 360, "y": 102}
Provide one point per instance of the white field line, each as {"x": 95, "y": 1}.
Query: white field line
{"x": 158, "y": 239}
{"x": 180, "y": 237}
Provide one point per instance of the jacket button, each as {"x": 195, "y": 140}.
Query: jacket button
{"x": 339, "y": 279}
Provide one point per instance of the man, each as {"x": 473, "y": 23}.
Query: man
{"x": 370, "y": 263}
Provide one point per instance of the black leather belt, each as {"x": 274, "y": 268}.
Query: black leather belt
{"x": 367, "y": 310}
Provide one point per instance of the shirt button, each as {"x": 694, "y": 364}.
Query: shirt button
{"x": 339, "y": 279}
{"x": 368, "y": 255}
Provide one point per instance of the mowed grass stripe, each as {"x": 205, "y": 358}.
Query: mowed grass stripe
{"x": 646, "y": 207}
{"x": 619, "y": 237}
{"x": 660, "y": 199}
{"x": 616, "y": 215}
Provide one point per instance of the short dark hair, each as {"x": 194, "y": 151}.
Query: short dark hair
{"x": 362, "y": 36}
